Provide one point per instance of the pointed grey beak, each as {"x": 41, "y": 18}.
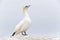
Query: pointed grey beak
{"x": 27, "y": 6}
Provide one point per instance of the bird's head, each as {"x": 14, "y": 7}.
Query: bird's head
{"x": 25, "y": 8}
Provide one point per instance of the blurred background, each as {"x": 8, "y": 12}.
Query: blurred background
{"x": 45, "y": 16}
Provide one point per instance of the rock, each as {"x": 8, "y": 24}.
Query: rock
{"x": 29, "y": 37}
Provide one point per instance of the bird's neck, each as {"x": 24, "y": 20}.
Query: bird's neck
{"x": 25, "y": 11}
{"x": 27, "y": 17}
{"x": 26, "y": 14}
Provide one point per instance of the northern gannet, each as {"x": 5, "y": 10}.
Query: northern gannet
{"x": 23, "y": 25}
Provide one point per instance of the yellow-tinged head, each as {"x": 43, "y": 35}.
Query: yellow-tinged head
{"x": 25, "y": 8}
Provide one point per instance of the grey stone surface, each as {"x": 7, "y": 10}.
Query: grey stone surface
{"x": 30, "y": 37}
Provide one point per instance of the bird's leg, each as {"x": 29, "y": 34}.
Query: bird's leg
{"x": 24, "y": 33}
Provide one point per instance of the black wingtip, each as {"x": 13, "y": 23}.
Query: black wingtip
{"x": 13, "y": 34}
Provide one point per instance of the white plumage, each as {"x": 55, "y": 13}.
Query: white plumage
{"x": 23, "y": 25}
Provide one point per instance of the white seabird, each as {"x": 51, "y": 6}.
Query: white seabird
{"x": 23, "y": 25}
